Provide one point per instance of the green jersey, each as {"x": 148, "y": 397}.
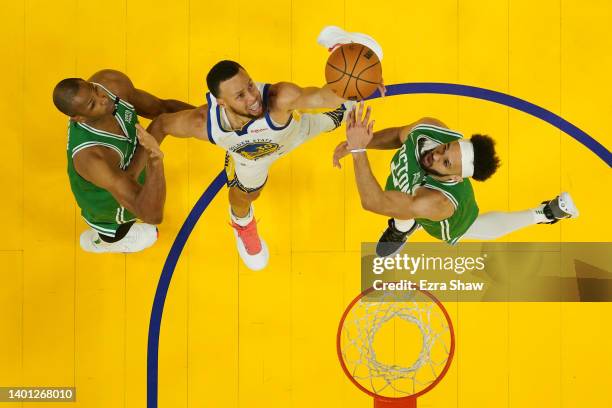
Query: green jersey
{"x": 98, "y": 206}
{"x": 407, "y": 176}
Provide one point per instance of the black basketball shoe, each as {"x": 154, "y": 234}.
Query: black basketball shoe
{"x": 393, "y": 240}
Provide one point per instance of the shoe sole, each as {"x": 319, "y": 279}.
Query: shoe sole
{"x": 566, "y": 203}
{"x": 118, "y": 248}
{"x": 358, "y": 38}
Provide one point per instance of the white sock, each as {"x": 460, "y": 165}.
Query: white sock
{"x": 403, "y": 225}
{"x": 538, "y": 214}
{"x": 496, "y": 224}
{"x": 243, "y": 222}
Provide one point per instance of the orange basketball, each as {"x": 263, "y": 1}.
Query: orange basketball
{"x": 353, "y": 71}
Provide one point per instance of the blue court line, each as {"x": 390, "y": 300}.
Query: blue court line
{"x": 212, "y": 190}
{"x": 503, "y": 99}
{"x": 164, "y": 283}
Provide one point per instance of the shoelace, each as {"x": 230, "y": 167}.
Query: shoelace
{"x": 393, "y": 235}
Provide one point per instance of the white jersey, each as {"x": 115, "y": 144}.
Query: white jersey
{"x": 259, "y": 140}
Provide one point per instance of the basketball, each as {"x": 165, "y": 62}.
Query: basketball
{"x": 353, "y": 71}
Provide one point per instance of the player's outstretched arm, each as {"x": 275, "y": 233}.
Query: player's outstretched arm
{"x": 187, "y": 123}
{"x": 146, "y": 104}
{"x": 426, "y": 203}
{"x": 386, "y": 139}
{"x": 98, "y": 165}
{"x": 150, "y": 106}
{"x": 289, "y": 96}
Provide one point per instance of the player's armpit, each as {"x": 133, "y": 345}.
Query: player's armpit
{"x": 116, "y": 81}
{"x": 289, "y": 96}
{"x": 186, "y": 123}
{"x": 426, "y": 203}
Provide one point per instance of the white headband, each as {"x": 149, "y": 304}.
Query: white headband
{"x": 467, "y": 158}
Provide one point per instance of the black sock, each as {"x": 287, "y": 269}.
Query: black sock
{"x": 121, "y": 232}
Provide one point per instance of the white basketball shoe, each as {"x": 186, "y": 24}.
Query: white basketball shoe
{"x": 252, "y": 249}
{"x": 559, "y": 208}
{"x": 139, "y": 237}
{"x": 331, "y": 37}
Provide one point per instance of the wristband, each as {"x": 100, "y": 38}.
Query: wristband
{"x": 357, "y": 150}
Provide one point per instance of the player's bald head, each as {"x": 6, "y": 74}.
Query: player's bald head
{"x": 64, "y": 94}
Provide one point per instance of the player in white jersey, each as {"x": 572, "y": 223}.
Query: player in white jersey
{"x": 256, "y": 124}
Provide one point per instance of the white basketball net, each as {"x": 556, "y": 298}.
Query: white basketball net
{"x": 358, "y": 339}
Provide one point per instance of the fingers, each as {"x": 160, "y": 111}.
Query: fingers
{"x": 366, "y": 119}
{"x": 382, "y": 88}
{"x": 371, "y": 128}
{"x": 361, "y": 119}
{"x": 349, "y": 119}
{"x": 360, "y": 111}
{"x": 148, "y": 142}
{"x": 336, "y": 162}
{"x": 140, "y": 131}
{"x": 339, "y": 153}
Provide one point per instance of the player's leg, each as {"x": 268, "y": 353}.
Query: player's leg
{"x": 245, "y": 182}
{"x": 493, "y": 225}
{"x": 240, "y": 203}
{"x": 119, "y": 238}
{"x": 314, "y": 124}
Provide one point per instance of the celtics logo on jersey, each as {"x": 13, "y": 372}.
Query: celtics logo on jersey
{"x": 256, "y": 150}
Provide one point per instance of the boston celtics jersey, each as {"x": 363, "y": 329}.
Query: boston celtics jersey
{"x": 407, "y": 176}
{"x": 98, "y": 207}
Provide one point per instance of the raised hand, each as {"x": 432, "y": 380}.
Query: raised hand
{"x": 359, "y": 129}
{"x": 339, "y": 152}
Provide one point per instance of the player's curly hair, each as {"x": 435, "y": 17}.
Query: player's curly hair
{"x": 221, "y": 71}
{"x": 486, "y": 161}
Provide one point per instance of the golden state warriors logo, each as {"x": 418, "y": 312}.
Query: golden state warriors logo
{"x": 257, "y": 150}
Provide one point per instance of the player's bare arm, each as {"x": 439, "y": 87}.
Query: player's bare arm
{"x": 426, "y": 203}
{"x": 386, "y": 139}
{"x": 99, "y": 165}
{"x": 184, "y": 124}
{"x": 287, "y": 97}
{"x": 146, "y": 104}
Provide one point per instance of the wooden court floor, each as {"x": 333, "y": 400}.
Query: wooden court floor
{"x": 234, "y": 338}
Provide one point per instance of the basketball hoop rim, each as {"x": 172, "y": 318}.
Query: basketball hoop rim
{"x": 408, "y": 397}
